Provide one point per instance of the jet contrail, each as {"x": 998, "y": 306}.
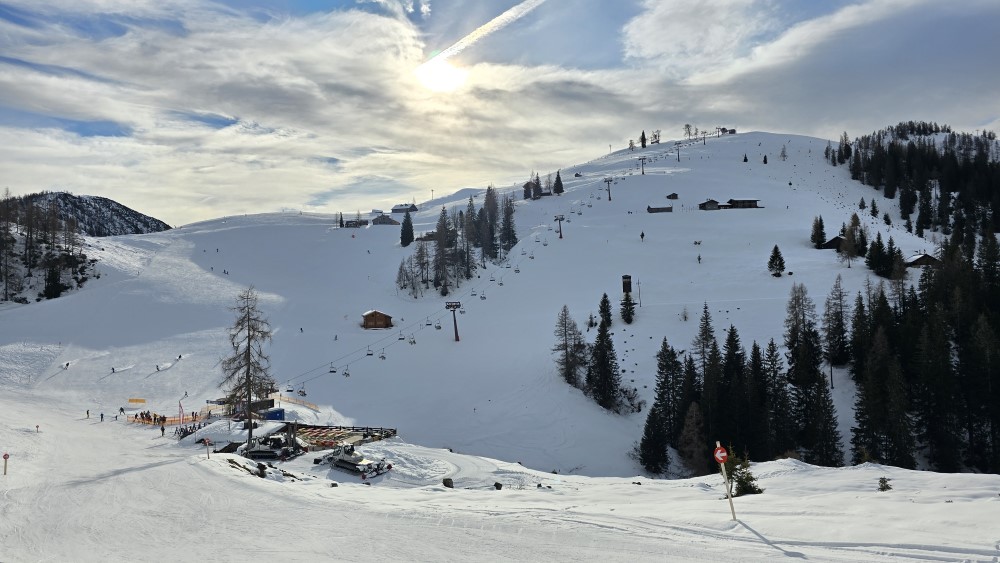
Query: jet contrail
{"x": 497, "y": 23}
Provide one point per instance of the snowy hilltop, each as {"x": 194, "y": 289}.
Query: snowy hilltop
{"x": 486, "y": 408}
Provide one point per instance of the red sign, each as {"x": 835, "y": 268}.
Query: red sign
{"x": 5, "y": 456}
{"x": 720, "y": 455}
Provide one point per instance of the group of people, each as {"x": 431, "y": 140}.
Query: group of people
{"x": 182, "y": 431}
{"x": 146, "y": 417}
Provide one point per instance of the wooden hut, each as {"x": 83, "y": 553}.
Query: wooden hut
{"x": 743, "y": 203}
{"x": 920, "y": 260}
{"x": 709, "y": 205}
{"x": 650, "y": 209}
{"x": 834, "y": 243}
{"x": 376, "y": 319}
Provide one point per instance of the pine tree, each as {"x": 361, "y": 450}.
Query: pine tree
{"x": 603, "y": 373}
{"x": 663, "y": 420}
{"x": 776, "y": 263}
{"x": 246, "y": 369}
{"x": 765, "y": 159}
{"x": 406, "y": 231}
{"x": 628, "y": 308}
{"x": 818, "y": 236}
{"x": 693, "y": 442}
{"x": 835, "y": 313}
{"x": 508, "y": 232}
{"x": 703, "y": 341}
{"x": 442, "y": 254}
{"x": 779, "y": 404}
{"x": 557, "y": 186}
{"x": 604, "y": 310}
{"x": 642, "y": 139}
{"x": 571, "y": 347}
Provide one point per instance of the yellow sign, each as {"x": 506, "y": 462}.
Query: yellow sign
{"x": 142, "y": 401}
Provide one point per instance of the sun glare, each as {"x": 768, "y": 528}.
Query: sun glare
{"x": 440, "y": 75}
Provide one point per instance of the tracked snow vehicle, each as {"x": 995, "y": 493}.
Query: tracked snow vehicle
{"x": 345, "y": 457}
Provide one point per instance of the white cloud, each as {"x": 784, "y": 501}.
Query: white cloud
{"x": 684, "y": 38}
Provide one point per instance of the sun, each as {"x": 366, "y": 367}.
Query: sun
{"x": 440, "y": 75}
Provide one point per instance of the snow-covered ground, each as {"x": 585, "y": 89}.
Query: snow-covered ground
{"x": 487, "y": 409}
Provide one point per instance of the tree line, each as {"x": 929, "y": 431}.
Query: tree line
{"x": 463, "y": 241}
{"x": 38, "y": 249}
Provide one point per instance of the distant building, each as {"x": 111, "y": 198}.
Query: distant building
{"x": 355, "y": 224}
{"x": 743, "y": 203}
{"x": 376, "y": 319}
{"x": 403, "y": 208}
{"x": 384, "y": 220}
{"x": 667, "y": 209}
{"x": 709, "y": 205}
{"x": 673, "y": 196}
{"x": 920, "y": 260}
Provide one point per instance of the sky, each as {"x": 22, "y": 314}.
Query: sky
{"x": 489, "y": 408}
{"x": 189, "y": 110}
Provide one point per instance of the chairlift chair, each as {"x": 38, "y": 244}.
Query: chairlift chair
{"x": 473, "y": 293}
{"x": 545, "y": 243}
{"x": 491, "y": 279}
{"x": 523, "y": 252}
{"x": 347, "y": 371}
{"x": 401, "y": 337}
{"x": 483, "y": 296}
{"x": 517, "y": 270}
{"x": 532, "y": 256}
{"x": 428, "y": 321}
{"x": 370, "y": 353}
{"x": 500, "y": 282}
{"x": 302, "y": 390}
{"x": 437, "y": 325}
{"x": 289, "y": 388}
{"x": 332, "y": 369}
{"x": 508, "y": 266}
{"x": 382, "y": 355}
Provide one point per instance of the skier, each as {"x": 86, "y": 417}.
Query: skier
{"x": 121, "y": 410}
{"x": 699, "y": 258}
{"x": 88, "y": 413}
{"x": 112, "y": 369}
{"x": 102, "y": 417}
{"x": 642, "y": 236}
{"x": 163, "y": 430}
{"x": 157, "y": 367}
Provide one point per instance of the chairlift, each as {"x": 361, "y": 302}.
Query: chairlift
{"x": 370, "y": 353}
{"x": 347, "y": 371}
{"x": 437, "y": 325}
{"x": 517, "y": 270}
{"x": 491, "y": 279}
{"x": 500, "y": 282}
{"x": 462, "y": 310}
{"x": 332, "y": 369}
{"x": 289, "y": 388}
{"x": 382, "y": 355}
{"x": 545, "y": 243}
{"x": 532, "y": 256}
{"x": 473, "y": 293}
{"x": 483, "y": 296}
{"x": 428, "y": 321}
{"x": 508, "y": 266}
{"x": 302, "y": 390}
{"x": 401, "y": 337}
{"x": 550, "y": 227}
